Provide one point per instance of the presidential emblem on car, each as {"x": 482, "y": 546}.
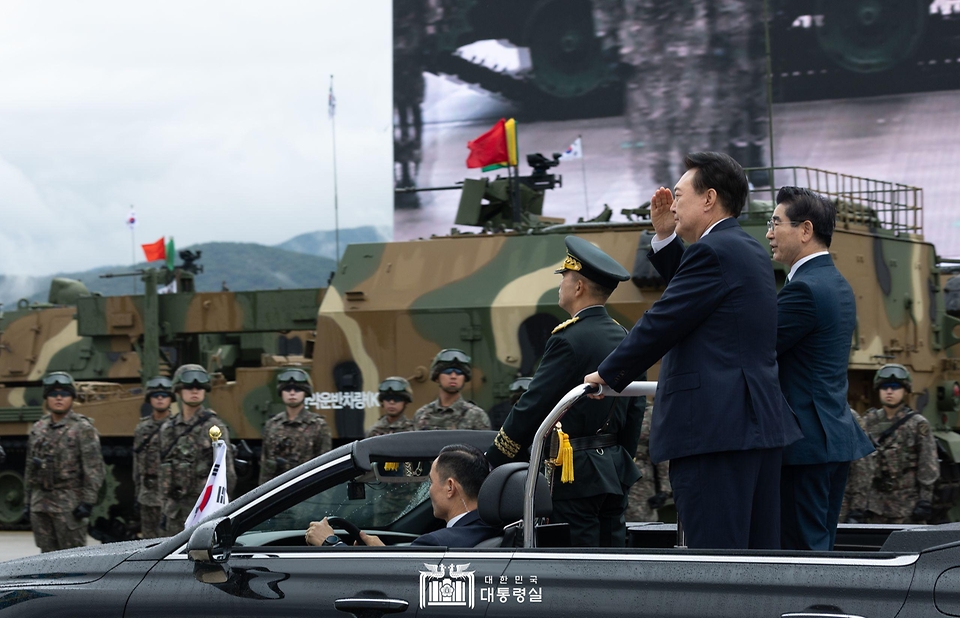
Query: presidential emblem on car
{"x": 447, "y": 586}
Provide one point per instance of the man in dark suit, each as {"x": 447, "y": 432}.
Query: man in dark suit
{"x": 591, "y": 495}
{"x": 816, "y": 317}
{"x": 721, "y": 418}
{"x": 456, "y": 476}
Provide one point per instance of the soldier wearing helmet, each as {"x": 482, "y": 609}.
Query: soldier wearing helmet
{"x": 905, "y": 465}
{"x": 295, "y": 435}
{"x": 394, "y": 395}
{"x": 498, "y": 413}
{"x": 186, "y": 452}
{"x": 451, "y": 370}
{"x": 64, "y": 468}
{"x": 146, "y": 456}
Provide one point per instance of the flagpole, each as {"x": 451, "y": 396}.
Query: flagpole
{"x": 332, "y": 107}
{"x": 583, "y": 168}
{"x": 133, "y": 248}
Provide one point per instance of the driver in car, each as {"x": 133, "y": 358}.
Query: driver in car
{"x": 455, "y": 479}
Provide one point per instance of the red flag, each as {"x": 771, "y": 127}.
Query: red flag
{"x": 490, "y": 148}
{"x": 155, "y": 251}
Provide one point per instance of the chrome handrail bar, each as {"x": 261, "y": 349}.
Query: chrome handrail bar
{"x": 634, "y": 389}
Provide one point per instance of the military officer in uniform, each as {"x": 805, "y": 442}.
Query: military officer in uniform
{"x": 394, "y": 395}
{"x": 906, "y": 464}
{"x": 186, "y": 452}
{"x": 64, "y": 469}
{"x": 146, "y": 456}
{"x": 652, "y": 491}
{"x": 602, "y": 434}
{"x": 295, "y": 435}
{"x": 451, "y": 370}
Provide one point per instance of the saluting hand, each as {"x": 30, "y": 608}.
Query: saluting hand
{"x": 660, "y": 214}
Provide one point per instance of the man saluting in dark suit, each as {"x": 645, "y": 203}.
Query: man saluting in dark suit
{"x": 721, "y": 418}
{"x": 816, "y": 317}
{"x": 589, "y": 496}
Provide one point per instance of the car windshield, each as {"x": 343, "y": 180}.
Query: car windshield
{"x": 373, "y": 501}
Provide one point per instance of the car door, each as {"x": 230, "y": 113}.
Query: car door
{"x": 681, "y": 582}
{"x": 270, "y": 571}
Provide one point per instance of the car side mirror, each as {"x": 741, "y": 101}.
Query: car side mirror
{"x": 209, "y": 549}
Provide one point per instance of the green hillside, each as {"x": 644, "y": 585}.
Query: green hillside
{"x": 239, "y": 266}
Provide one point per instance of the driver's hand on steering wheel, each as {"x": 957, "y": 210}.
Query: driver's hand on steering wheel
{"x": 318, "y": 531}
{"x": 371, "y": 539}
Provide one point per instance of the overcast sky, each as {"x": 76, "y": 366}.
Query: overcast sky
{"x": 209, "y": 117}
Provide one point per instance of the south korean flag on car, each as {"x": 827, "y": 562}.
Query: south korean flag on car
{"x": 214, "y": 493}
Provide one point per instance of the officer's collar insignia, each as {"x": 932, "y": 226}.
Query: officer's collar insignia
{"x": 563, "y": 325}
{"x": 572, "y": 263}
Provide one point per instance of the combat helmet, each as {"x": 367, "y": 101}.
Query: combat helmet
{"x": 188, "y": 375}
{"x": 893, "y": 372}
{"x": 396, "y": 387}
{"x": 158, "y": 385}
{"x": 59, "y": 381}
{"x": 447, "y": 358}
{"x": 295, "y": 376}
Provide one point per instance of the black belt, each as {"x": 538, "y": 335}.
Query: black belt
{"x": 598, "y": 441}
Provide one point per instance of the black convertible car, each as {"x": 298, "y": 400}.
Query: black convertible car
{"x": 250, "y": 559}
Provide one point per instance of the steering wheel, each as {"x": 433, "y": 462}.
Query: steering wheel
{"x": 353, "y": 532}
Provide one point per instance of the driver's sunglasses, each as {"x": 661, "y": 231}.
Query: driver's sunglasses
{"x": 452, "y": 371}
{"x": 60, "y": 393}
{"x": 158, "y": 395}
{"x": 291, "y": 386}
{"x": 891, "y": 386}
{"x": 391, "y": 397}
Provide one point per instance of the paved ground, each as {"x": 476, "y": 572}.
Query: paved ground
{"x": 911, "y": 139}
{"x": 20, "y": 544}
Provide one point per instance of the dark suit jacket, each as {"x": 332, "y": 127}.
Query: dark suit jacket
{"x": 715, "y": 327}
{"x": 572, "y": 353}
{"x": 467, "y": 532}
{"x": 816, "y": 317}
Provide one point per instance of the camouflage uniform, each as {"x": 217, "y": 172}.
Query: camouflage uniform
{"x": 906, "y": 466}
{"x": 859, "y": 480}
{"x": 186, "y": 456}
{"x": 461, "y": 414}
{"x": 64, "y": 469}
{"x": 146, "y": 473}
{"x": 638, "y": 507}
{"x": 667, "y": 92}
{"x": 383, "y": 426}
{"x": 287, "y": 444}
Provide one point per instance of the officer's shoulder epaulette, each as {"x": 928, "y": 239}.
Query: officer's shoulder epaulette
{"x": 563, "y": 325}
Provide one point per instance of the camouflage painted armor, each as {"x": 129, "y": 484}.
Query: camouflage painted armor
{"x": 186, "y": 456}
{"x": 146, "y": 475}
{"x": 64, "y": 469}
{"x": 383, "y": 426}
{"x": 638, "y": 505}
{"x": 906, "y": 466}
{"x": 287, "y": 444}
{"x": 461, "y": 414}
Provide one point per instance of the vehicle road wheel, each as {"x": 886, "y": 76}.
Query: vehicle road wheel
{"x": 12, "y": 492}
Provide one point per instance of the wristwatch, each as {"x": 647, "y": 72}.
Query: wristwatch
{"x": 332, "y": 540}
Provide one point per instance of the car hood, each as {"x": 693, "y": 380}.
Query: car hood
{"x": 70, "y": 566}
